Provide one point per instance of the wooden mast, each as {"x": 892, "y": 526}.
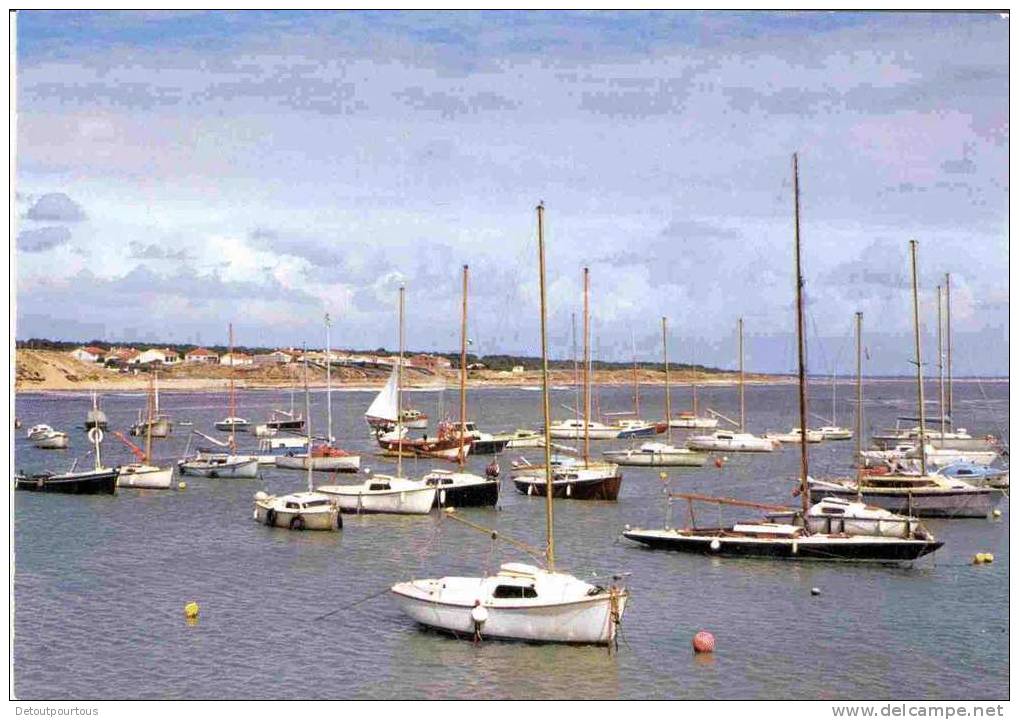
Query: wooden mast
{"x": 463, "y": 369}
{"x": 576, "y": 372}
{"x": 549, "y": 534}
{"x": 399, "y": 396}
{"x": 859, "y": 403}
{"x": 329, "y": 392}
{"x": 919, "y": 363}
{"x": 307, "y": 414}
{"x": 742, "y": 406}
{"x": 233, "y": 364}
{"x": 148, "y": 424}
{"x": 801, "y": 349}
{"x": 668, "y": 404}
{"x": 587, "y": 371}
{"x": 636, "y": 383}
{"x": 948, "y": 339}
{"x": 941, "y": 369}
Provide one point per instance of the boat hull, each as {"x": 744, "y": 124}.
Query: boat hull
{"x": 287, "y": 519}
{"x": 972, "y": 503}
{"x": 586, "y": 622}
{"x": 656, "y": 459}
{"x": 694, "y": 423}
{"x": 484, "y": 494}
{"x": 488, "y": 447}
{"x": 58, "y": 441}
{"x": 345, "y": 463}
{"x": 151, "y": 479}
{"x": 103, "y": 482}
{"x": 241, "y": 470}
{"x": 814, "y": 547}
{"x": 447, "y": 449}
{"x": 594, "y": 489}
{"x": 397, "y": 502}
{"x": 730, "y": 446}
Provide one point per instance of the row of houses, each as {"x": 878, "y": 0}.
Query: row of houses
{"x": 169, "y": 357}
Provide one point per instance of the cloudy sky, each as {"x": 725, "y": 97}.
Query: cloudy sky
{"x": 177, "y": 171}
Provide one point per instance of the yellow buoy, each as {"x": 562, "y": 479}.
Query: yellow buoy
{"x": 996, "y": 513}
{"x": 988, "y": 558}
{"x": 182, "y": 485}
{"x": 982, "y": 558}
{"x": 191, "y": 610}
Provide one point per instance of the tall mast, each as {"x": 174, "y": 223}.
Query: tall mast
{"x": 941, "y": 369}
{"x": 919, "y": 364}
{"x": 307, "y": 413}
{"x": 668, "y": 405}
{"x": 155, "y": 409}
{"x": 587, "y": 370}
{"x": 399, "y": 397}
{"x": 148, "y": 424}
{"x": 859, "y": 402}
{"x": 576, "y": 371}
{"x": 463, "y": 370}
{"x": 742, "y": 405}
{"x": 329, "y": 390}
{"x": 549, "y": 535}
{"x": 636, "y": 384}
{"x": 948, "y": 338}
{"x": 801, "y": 348}
{"x": 233, "y": 364}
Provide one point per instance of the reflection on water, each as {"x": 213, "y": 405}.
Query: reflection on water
{"x": 101, "y": 582}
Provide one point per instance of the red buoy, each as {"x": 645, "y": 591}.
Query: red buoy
{"x": 704, "y": 642}
{"x": 718, "y": 462}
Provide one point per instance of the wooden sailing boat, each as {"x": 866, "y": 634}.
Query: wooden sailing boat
{"x": 307, "y": 510}
{"x": 830, "y": 530}
{"x": 387, "y": 493}
{"x": 100, "y": 480}
{"x": 727, "y": 440}
{"x": 916, "y": 493}
{"x": 323, "y": 456}
{"x": 521, "y": 602}
{"x": 572, "y": 478}
{"x": 657, "y": 454}
{"x": 143, "y": 474}
{"x": 462, "y": 488}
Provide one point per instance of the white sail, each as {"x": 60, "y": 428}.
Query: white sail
{"x": 383, "y": 407}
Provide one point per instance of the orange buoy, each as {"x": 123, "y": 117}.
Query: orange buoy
{"x": 718, "y": 462}
{"x": 704, "y": 642}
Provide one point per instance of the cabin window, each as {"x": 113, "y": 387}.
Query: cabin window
{"x": 833, "y": 511}
{"x": 379, "y": 486}
{"x": 514, "y": 591}
{"x": 293, "y": 506}
{"x": 316, "y": 503}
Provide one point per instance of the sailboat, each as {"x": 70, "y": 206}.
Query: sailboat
{"x": 95, "y": 417}
{"x": 219, "y": 464}
{"x": 143, "y": 474}
{"x": 46, "y": 438}
{"x": 307, "y": 510}
{"x": 462, "y": 488}
{"x": 232, "y": 423}
{"x": 98, "y": 481}
{"x": 727, "y": 440}
{"x": 154, "y": 424}
{"x": 322, "y": 456}
{"x": 635, "y": 427}
{"x": 830, "y": 530}
{"x": 387, "y": 493}
{"x": 657, "y": 454}
{"x": 834, "y": 431}
{"x": 576, "y": 479}
{"x": 521, "y": 601}
{"x": 916, "y": 493}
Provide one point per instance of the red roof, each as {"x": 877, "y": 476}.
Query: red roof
{"x": 94, "y": 350}
{"x": 201, "y": 352}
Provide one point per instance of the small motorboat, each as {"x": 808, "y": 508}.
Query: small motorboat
{"x": 37, "y": 431}
{"x": 525, "y": 438}
{"x": 637, "y": 428}
{"x": 794, "y": 436}
{"x": 297, "y": 511}
{"x": 322, "y": 457}
{"x": 220, "y": 465}
{"x": 727, "y": 441}
{"x": 51, "y": 440}
{"x": 577, "y": 430}
{"x": 979, "y": 475}
{"x": 384, "y": 494}
{"x": 144, "y": 476}
{"x": 834, "y": 432}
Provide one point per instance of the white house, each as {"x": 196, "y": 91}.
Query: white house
{"x": 201, "y": 355}
{"x": 88, "y": 354}
{"x": 236, "y": 359}
{"x": 163, "y": 356}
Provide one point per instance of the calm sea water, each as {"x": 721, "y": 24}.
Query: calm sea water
{"x": 100, "y": 582}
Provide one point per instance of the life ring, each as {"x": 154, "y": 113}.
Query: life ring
{"x": 297, "y": 523}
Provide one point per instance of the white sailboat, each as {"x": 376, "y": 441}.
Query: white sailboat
{"x": 392, "y": 494}
{"x": 657, "y": 454}
{"x": 727, "y": 440}
{"x": 521, "y": 602}
{"x": 143, "y": 474}
{"x": 217, "y": 464}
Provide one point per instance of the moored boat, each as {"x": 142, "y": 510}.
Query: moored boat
{"x": 656, "y": 454}
{"x": 729, "y": 441}
{"x": 297, "y": 511}
{"x": 89, "y": 482}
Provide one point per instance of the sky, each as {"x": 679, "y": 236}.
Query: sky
{"x": 177, "y": 171}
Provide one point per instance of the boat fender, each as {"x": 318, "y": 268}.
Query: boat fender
{"x": 442, "y": 497}
{"x": 297, "y": 523}
{"x": 270, "y": 517}
{"x": 796, "y": 548}
{"x": 569, "y": 490}
{"x": 716, "y": 545}
{"x": 479, "y": 615}
{"x": 530, "y": 489}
